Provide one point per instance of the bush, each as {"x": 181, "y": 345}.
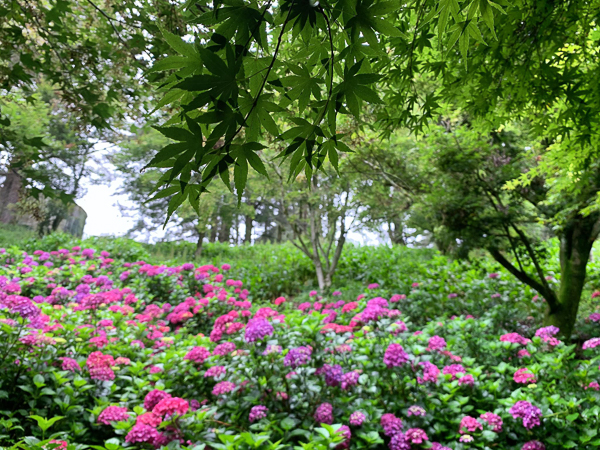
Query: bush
{"x": 103, "y": 350}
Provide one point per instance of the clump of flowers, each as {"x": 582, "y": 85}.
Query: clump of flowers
{"x": 515, "y": 338}
{"x": 100, "y": 366}
{"x": 493, "y": 420}
{"x": 523, "y": 376}
{"x": 153, "y": 398}
{"x": 436, "y": 343}
{"x": 324, "y": 413}
{"x": 592, "y": 343}
{"x": 224, "y": 387}
{"x": 113, "y": 414}
{"x": 142, "y": 433}
{"x": 198, "y": 355}
{"x": 416, "y": 435}
{"x": 529, "y": 413}
{"x": 357, "y": 418}
{"x": 258, "y": 329}
{"x": 170, "y": 406}
{"x": 395, "y": 356}
{"x": 469, "y": 424}
{"x": 391, "y": 424}
{"x": 258, "y": 412}
{"x": 533, "y": 445}
{"x": 297, "y": 357}
{"x": 70, "y": 364}
{"x": 415, "y": 410}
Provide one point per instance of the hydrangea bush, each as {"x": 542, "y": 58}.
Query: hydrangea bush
{"x": 100, "y": 350}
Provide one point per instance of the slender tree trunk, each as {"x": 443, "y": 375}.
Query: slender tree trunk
{"x": 9, "y": 195}
{"x": 248, "y": 232}
{"x": 575, "y": 247}
{"x": 199, "y": 244}
{"x": 314, "y": 236}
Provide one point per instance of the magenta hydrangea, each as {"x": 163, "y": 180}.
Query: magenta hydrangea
{"x": 70, "y": 364}
{"x": 430, "y": 373}
{"x": 170, "y": 406}
{"x": 224, "y": 349}
{"x": 350, "y": 379}
{"x": 399, "y": 442}
{"x": 592, "y": 343}
{"x": 523, "y": 376}
{"x": 324, "y": 413}
{"x": 153, "y": 398}
{"x": 224, "y": 387}
{"x": 395, "y": 356}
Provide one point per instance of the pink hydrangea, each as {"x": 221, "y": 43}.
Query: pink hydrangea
{"x": 142, "y": 433}
{"x": 592, "y": 343}
{"x": 523, "y": 376}
{"x": 345, "y": 432}
{"x": 154, "y": 397}
{"x": 70, "y": 364}
{"x": 215, "y": 371}
{"x": 523, "y": 354}
{"x": 149, "y": 418}
{"x": 593, "y": 385}
{"x": 224, "y": 348}
{"x": 198, "y": 355}
{"x": 515, "y": 338}
{"x": 170, "y": 406}
{"x": 224, "y": 387}
{"x": 100, "y": 366}
{"x": 453, "y": 369}
{"x": 416, "y": 435}
{"x": 415, "y": 410}
{"x": 469, "y": 424}
{"x": 113, "y": 414}
{"x": 466, "y": 380}
{"x": 493, "y": 420}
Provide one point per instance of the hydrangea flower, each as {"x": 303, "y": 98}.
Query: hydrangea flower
{"x": 258, "y": 329}
{"x": 395, "y": 356}
{"x": 493, "y": 420}
{"x": 70, "y": 364}
{"x": 170, "y": 406}
{"x": 297, "y": 357}
{"x": 523, "y": 376}
{"x": 529, "y": 413}
{"x": 430, "y": 373}
{"x": 224, "y": 387}
{"x": 113, "y": 414}
{"x": 198, "y": 355}
{"x": 258, "y": 412}
{"x": 399, "y": 442}
{"x": 533, "y": 445}
{"x": 357, "y": 418}
{"x": 153, "y": 398}
{"x": 142, "y": 433}
{"x": 415, "y": 410}
{"x": 469, "y": 423}
{"x": 324, "y": 413}
{"x": 416, "y": 435}
{"x": 592, "y": 343}
{"x": 436, "y": 343}
{"x": 215, "y": 371}
{"x": 391, "y": 424}
{"x": 344, "y": 430}
{"x": 515, "y": 338}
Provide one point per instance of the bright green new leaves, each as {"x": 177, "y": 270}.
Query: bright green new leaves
{"x": 256, "y": 72}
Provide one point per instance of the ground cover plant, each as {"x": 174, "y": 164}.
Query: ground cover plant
{"x": 108, "y": 351}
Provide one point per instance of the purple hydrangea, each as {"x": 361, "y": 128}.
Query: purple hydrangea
{"x": 333, "y": 375}
{"x": 324, "y": 413}
{"x": 415, "y": 410}
{"x": 395, "y": 356}
{"x": 258, "y": 412}
{"x": 344, "y": 430}
{"x": 530, "y": 414}
{"x": 297, "y": 357}
{"x": 391, "y": 424}
{"x": 547, "y": 331}
{"x": 258, "y": 329}
{"x": 399, "y": 442}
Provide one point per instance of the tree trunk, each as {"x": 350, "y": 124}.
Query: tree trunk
{"x": 199, "y": 244}
{"x": 248, "y": 233}
{"x": 575, "y": 247}
{"x": 9, "y": 195}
